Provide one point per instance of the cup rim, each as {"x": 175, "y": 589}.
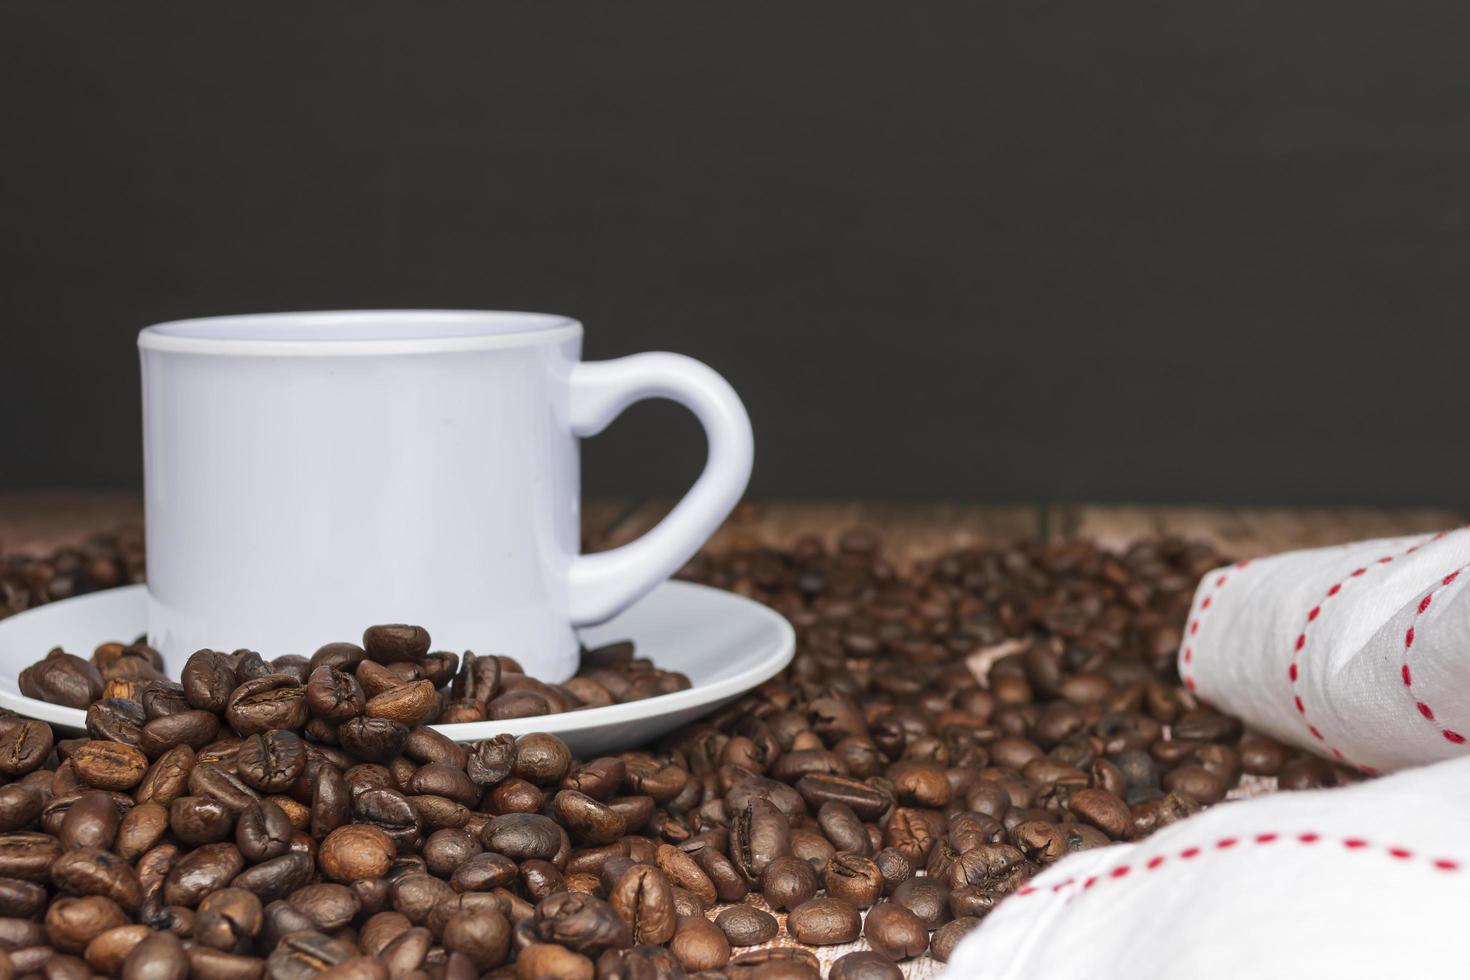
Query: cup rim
{"x": 354, "y": 332}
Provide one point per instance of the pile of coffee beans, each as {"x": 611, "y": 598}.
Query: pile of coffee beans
{"x": 343, "y": 694}
{"x": 104, "y": 561}
{"x": 944, "y": 732}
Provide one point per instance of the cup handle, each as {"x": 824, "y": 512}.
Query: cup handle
{"x": 604, "y": 584}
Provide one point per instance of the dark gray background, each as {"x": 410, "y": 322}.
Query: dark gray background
{"x": 1025, "y": 251}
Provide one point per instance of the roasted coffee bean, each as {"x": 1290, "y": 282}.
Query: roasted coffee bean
{"x": 396, "y": 643}
{"x": 159, "y": 957}
{"x": 685, "y": 904}
{"x": 203, "y": 870}
{"x": 28, "y": 855}
{"x": 643, "y": 898}
{"x": 219, "y": 781}
{"x": 373, "y": 739}
{"x": 280, "y": 920}
{"x": 865, "y": 801}
{"x": 342, "y": 656}
{"x": 91, "y": 821}
{"x": 72, "y": 923}
{"x": 446, "y": 850}
{"x": 586, "y": 819}
{"x": 390, "y": 812}
{"x": 895, "y": 932}
{"x": 168, "y": 777}
{"x": 106, "y": 953}
{"x": 199, "y": 820}
{"x": 842, "y": 827}
{"x": 208, "y": 678}
{"x": 24, "y": 747}
{"x": 894, "y": 866}
{"x": 864, "y": 965}
{"x": 331, "y": 801}
{"x": 698, "y": 944}
{"x": 541, "y": 759}
{"x": 275, "y": 701}
{"x": 21, "y": 898}
{"x": 277, "y": 877}
{"x": 406, "y": 952}
{"x": 305, "y": 955}
{"x": 484, "y": 872}
{"x": 142, "y": 828}
{"x": 787, "y": 882}
{"x": 684, "y": 872}
{"x": 1040, "y": 841}
{"x": 549, "y": 960}
{"x": 1260, "y": 756}
{"x": 784, "y": 962}
{"x": 482, "y": 935}
{"x": 270, "y": 762}
{"x": 729, "y": 884}
{"x": 948, "y": 936}
{"x": 21, "y": 933}
{"x": 517, "y": 796}
{"x": 746, "y": 925}
{"x": 192, "y": 729}
{"x": 581, "y": 922}
{"x": 927, "y": 898}
{"x": 62, "y": 679}
{"x": 263, "y": 831}
{"x": 205, "y": 961}
{"x": 522, "y": 835}
{"x": 333, "y": 695}
{"x": 1302, "y": 772}
{"x": 20, "y": 805}
{"x": 919, "y": 783}
{"x": 599, "y": 778}
{"x": 416, "y": 894}
{"x": 760, "y": 834}
{"x": 409, "y": 704}
{"x": 1197, "y": 782}
{"x": 330, "y": 906}
{"x": 109, "y": 765}
{"x": 824, "y": 922}
{"x": 94, "y": 871}
{"x": 381, "y": 929}
{"x": 228, "y": 918}
{"x": 854, "y": 879}
{"x": 1102, "y": 810}
{"x": 491, "y": 761}
{"x": 438, "y": 779}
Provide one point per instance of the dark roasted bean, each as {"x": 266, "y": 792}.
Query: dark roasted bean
{"x": 824, "y": 922}
{"x": 864, "y": 965}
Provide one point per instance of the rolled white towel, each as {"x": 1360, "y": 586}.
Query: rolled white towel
{"x": 1370, "y": 882}
{"x": 1359, "y": 652}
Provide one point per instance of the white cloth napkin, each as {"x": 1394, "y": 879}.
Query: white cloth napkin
{"x": 1359, "y": 652}
{"x": 1370, "y": 882}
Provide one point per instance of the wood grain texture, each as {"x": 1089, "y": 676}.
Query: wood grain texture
{"x": 37, "y": 522}
{"x": 909, "y": 531}
{"x": 1244, "y": 532}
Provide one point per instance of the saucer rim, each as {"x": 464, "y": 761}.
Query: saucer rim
{"x": 773, "y": 659}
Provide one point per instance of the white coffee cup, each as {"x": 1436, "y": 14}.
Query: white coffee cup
{"x": 308, "y": 475}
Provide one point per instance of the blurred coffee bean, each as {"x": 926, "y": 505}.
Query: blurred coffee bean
{"x": 824, "y": 922}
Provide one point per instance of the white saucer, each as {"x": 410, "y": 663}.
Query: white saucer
{"x": 724, "y": 643}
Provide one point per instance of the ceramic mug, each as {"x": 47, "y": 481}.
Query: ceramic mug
{"x": 310, "y": 474}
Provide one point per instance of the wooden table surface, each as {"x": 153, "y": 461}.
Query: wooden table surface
{"x": 39, "y": 521}
{"x": 36, "y": 521}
